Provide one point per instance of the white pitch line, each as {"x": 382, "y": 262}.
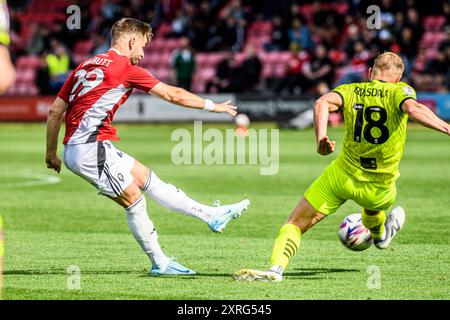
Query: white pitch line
{"x": 38, "y": 180}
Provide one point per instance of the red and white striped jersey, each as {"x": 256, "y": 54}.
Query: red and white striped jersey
{"x": 94, "y": 92}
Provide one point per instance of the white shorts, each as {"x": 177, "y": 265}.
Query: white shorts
{"x": 102, "y": 165}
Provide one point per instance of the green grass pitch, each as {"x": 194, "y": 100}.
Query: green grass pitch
{"x": 49, "y": 228}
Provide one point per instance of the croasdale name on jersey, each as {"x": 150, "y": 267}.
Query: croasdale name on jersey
{"x": 370, "y": 92}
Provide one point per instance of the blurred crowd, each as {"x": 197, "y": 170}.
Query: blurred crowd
{"x": 327, "y": 46}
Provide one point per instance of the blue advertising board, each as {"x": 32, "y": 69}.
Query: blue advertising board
{"x": 438, "y": 102}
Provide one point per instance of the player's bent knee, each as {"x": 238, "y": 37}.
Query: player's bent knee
{"x": 141, "y": 174}
{"x": 129, "y": 196}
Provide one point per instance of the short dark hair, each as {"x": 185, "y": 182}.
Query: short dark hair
{"x": 130, "y": 25}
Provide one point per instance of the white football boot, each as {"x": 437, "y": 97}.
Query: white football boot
{"x": 394, "y": 222}
{"x": 173, "y": 269}
{"x": 226, "y": 213}
{"x": 252, "y": 275}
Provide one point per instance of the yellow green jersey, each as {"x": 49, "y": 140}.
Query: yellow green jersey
{"x": 4, "y": 23}
{"x": 375, "y": 129}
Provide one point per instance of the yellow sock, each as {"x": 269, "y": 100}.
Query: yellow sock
{"x": 375, "y": 223}
{"x": 285, "y": 246}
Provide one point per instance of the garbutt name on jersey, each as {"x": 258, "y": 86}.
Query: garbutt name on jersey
{"x": 98, "y": 61}
{"x": 94, "y": 92}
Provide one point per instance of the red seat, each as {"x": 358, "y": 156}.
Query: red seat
{"x": 22, "y": 89}
{"x": 11, "y": 91}
{"x": 84, "y": 47}
{"x": 271, "y": 57}
{"x": 166, "y": 58}
{"x": 337, "y": 56}
{"x": 78, "y": 58}
{"x": 260, "y": 28}
{"x": 163, "y": 29}
{"x": 201, "y": 59}
{"x": 25, "y": 75}
{"x": 28, "y": 62}
{"x": 205, "y": 74}
{"x": 145, "y": 61}
{"x": 428, "y": 23}
{"x": 214, "y": 59}
{"x": 434, "y": 23}
{"x": 258, "y": 41}
{"x": 239, "y": 57}
{"x": 171, "y": 44}
{"x": 307, "y": 11}
{"x": 267, "y": 71}
{"x": 198, "y": 86}
{"x": 279, "y": 57}
{"x": 431, "y": 39}
{"x": 207, "y": 60}
{"x": 341, "y": 8}
{"x": 280, "y": 70}
{"x": 156, "y": 45}
{"x": 431, "y": 53}
{"x": 162, "y": 73}
{"x": 33, "y": 90}
{"x": 437, "y": 37}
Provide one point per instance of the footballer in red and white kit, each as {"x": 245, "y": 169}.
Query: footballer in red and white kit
{"x": 88, "y": 100}
{"x": 94, "y": 92}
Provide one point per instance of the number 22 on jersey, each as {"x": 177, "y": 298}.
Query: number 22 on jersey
{"x": 86, "y": 82}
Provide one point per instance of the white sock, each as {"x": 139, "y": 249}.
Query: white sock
{"x": 277, "y": 269}
{"x": 175, "y": 199}
{"x": 383, "y": 236}
{"x": 144, "y": 232}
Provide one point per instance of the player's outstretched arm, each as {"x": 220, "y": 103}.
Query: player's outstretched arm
{"x": 421, "y": 114}
{"x": 54, "y": 119}
{"x": 327, "y": 103}
{"x": 187, "y": 99}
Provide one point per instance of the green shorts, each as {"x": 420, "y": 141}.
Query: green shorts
{"x": 334, "y": 187}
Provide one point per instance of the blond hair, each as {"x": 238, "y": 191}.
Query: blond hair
{"x": 130, "y": 25}
{"x": 388, "y": 62}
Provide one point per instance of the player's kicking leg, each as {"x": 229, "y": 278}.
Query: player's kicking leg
{"x": 145, "y": 234}
{"x": 382, "y": 228}
{"x": 286, "y": 245}
{"x": 109, "y": 170}
{"x": 216, "y": 217}
{"x": 120, "y": 177}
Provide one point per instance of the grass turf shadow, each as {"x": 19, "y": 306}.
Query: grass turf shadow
{"x": 64, "y": 272}
{"x": 310, "y": 273}
{"x": 296, "y": 273}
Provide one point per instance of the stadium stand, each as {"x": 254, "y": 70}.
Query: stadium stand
{"x": 339, "y": 25}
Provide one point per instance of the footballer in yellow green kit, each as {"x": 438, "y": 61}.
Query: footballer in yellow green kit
{"x": 372, "y": 148}
{"x": 375, "y": 116}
